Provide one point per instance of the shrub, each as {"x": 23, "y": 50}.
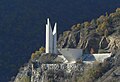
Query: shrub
{"x": 93, "y": 23}
{"x": 33, "y": 56}
{"x": 93, "y": 73}
{"x": 106, "y": 32}
{"x": 42, "y": 49}
{"x": 25, "y": 79}
{"x": 76, "y": 27}
{"x": 113, "y": 15}
{"x": 118, "y": 10}
{"x": 104, "y": 25}
{"x": 102, "y": 19}
{"x": 86, "y": 24}
{"x": 102, "y": 28}
{"x": 38, "y": 53}
{"x": 116, "y": 14}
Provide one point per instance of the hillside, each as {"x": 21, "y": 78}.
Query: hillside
{"x": 96, "y": 36}
{"x": 22, "y": 25}
{"x": 99, "y": 35}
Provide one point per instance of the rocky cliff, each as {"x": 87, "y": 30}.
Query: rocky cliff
{"x": 97, "y": 36}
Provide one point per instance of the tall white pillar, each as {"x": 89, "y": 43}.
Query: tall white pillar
{"x": 55, "y": 39}
{"x": 51, "y": 40}
{"x": 49, "y": 37}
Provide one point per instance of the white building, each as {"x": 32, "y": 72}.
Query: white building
{"x": 100, "y": 57}
{"x": 71, "y": 54}
{"x": 51, "y": 44}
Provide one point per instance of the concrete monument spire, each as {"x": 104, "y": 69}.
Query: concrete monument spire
{"x": 55, "y": 38}
{"x": 51, "y": 38}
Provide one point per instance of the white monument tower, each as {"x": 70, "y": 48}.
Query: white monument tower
{"x": 51, "y": 38}
{"x": 55, "y": 38}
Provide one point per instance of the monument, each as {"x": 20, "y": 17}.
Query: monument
{"x": 70, "y": 54}
{"x": 51, "y": 38}
{"x": 51, "y": 44}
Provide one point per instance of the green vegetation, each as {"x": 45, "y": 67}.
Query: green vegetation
{"x": 101, "y": 25}
{"x": 116, "y": 14}
{"x": 25, "y": 79}
{"x": 86, "y": 24}
{"x": 93, "y": 73}
{"x": 38, "y": 53}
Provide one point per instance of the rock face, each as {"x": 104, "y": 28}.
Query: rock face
{"x": 56, "y": 72}
{"x": 72, "y": 39}
{"x": 69, "y": 39}
{"x": 112, "y": 75}
{"x": 91, "y": 38}
{"x": 38, "y": 72}
{"x": 49, "y": 68}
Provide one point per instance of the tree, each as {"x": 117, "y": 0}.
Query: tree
{"x": 73, "y": 27}
{"x": 112, "y": 15}
{"x": 106, "y": 32}
{"x": 103, "y": 26}
{"x": 86, "y": 24}
{"x": 33, "y": 56}
{"x": 118, "y": 10}
{"x": 93, "y": 23}
{"x": 42, "y": 49}
{"x": 76, "y": 27}
{"x": 106, "y": 14}
{"x": 38, "y": 53}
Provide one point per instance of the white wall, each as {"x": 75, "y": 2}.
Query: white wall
{"x": 71, "y": 54}
{"x": 102, "y": 56}
{"x": 47, "y": 39}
